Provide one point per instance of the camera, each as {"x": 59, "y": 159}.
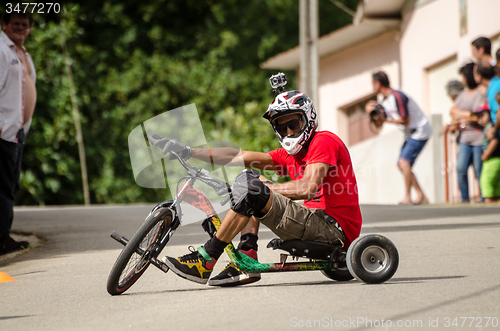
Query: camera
{"x": 379, "y": 110}
{"x": 378, "y": 116}
{"x": 278, "y": 82}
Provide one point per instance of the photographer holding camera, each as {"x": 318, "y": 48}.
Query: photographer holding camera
{"x": 397, "y": 108}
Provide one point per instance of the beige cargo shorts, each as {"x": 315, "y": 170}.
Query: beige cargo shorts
{"x": 289, "y": 221}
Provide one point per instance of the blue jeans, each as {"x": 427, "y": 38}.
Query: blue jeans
{"x": 467, "y": 155}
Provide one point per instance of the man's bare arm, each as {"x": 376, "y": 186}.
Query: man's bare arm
{"x": 306, "y": 187}
{"x": 460, "y": 114}
{"x": 496, "y": 125}
{"x": 233, "y": 157}
{"x": 492, "y": 146}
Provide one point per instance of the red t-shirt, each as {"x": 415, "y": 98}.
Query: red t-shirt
{"x": 338, "y": 192}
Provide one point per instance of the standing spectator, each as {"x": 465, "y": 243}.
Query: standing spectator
{"x": 17, "y": 103}
{"x": 481, "y": 50}
{"x": 484, "y": 74}
{"x": 403, "y": 111}
{"x": 453, "y": 89}
{"x": 471, "y": 136}
{"x": 490, "y": 173}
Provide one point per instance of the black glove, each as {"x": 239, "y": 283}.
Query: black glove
{"x": 176, "y": 146}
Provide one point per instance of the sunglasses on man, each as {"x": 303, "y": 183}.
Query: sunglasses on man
{"x": 293, "y": 125}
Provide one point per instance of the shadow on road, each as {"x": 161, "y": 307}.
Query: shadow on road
{"x": 2, "y": 318}
{"x": 393, "y": 281}
{"x": 420, "y": 279}
{"x": 427, "y": 227}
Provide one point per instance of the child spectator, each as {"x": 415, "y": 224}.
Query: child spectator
{"x": 481, "y": 51}
{"x": 490, "y": 174}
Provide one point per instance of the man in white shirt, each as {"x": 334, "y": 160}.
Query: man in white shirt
{"x": 403, "y": 111}
{"x": 17, "y": 103}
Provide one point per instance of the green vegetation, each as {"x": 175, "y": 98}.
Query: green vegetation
{"x": 132, "y": 60}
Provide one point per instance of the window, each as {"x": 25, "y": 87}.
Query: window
{"x": 463, "y": 18}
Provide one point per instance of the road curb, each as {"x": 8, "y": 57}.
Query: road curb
{"x": 32, "y": 238}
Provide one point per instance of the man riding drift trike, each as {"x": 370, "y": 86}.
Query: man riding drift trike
{"x": 320, "y": 167}
{"x": 324, "y": 229}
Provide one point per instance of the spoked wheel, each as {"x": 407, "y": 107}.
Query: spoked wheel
{"x": 372, "y": 259}
{"x": 137, "y": 254}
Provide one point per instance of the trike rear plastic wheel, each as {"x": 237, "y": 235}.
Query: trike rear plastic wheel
{"x": 372, "y": 259}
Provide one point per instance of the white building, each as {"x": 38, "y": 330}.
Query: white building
{"x": 420, "y": 44}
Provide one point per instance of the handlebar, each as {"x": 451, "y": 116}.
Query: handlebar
{"x": 225, "y": 200}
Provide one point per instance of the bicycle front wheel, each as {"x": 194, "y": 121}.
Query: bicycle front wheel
{"x": 137, "y": 254}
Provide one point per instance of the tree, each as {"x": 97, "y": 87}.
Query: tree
{"x": 134, "y": 60}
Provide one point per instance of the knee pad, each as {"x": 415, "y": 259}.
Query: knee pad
{"x": 249, "y": 195}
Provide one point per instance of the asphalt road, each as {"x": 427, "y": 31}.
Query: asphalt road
{"x": 447, "y": 278}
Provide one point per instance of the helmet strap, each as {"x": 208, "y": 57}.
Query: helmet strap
{"x": 306, "y": 146}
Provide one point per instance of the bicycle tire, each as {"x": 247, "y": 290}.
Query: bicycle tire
{"x": 130, "y": 265}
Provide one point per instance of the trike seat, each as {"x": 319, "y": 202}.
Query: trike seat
{"x": 309, "y": 249}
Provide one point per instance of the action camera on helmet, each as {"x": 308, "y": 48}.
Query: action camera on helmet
{"x": 278, "y": 82}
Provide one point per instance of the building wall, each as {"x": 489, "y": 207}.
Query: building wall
{"x": 430, "y": 34}
{"x": 346, "y": 77}
{"x": 379, "y": 179}
{"x": 437, "y": 101}
{"x": 419, "y": 58}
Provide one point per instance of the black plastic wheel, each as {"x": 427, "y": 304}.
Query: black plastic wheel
{"x": 372, "y": 259}
{"x": 340, "y": 274}
{"x": 130, "y": 265}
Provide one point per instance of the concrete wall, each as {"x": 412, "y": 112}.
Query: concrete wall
{"x": 437, "y": 101}
{"x": 430, "y": 34}
{"x": 346, "y": 77}
{"x": 379, "y": 179}
{"x": 417, "y": 58}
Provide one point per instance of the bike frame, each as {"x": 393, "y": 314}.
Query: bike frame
{"x": 363, "y": 259}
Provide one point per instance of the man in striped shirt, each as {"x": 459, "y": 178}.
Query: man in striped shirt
{"x": 403, "y": 111}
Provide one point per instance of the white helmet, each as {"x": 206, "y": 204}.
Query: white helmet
{"x": 293, "y": 102}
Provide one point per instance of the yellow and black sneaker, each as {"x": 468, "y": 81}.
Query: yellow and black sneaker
{"x": 195, "y": 266}
{"x": 232, "y": 276}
